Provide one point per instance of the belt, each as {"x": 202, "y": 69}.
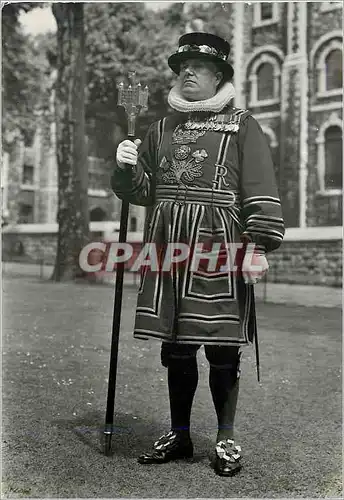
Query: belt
{"x": 194, "y": 195}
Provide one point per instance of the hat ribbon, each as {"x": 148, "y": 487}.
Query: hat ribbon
{"x": 203, "y": 49}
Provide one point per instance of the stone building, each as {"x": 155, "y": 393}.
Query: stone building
{"x": 288, "y": 71}
{"x": 291, "y": 80}
{"x": 287, "y": 59}
{"x": 30, "y": 175}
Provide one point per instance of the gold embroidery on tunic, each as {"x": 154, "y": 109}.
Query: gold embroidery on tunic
{"x": 182, "y": 136}
{"x": 216, "y": 122}
{"x": 182, "y": 171}
{"x": 192, "y": 126}
{"x": 182, "y": 152}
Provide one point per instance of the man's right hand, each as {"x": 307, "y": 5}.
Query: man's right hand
{"x": 127, "y": 153}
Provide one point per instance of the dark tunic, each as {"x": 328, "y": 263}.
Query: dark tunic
{"x": 209, "y": 179}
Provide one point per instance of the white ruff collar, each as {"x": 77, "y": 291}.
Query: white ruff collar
{"x": 214, "y": 104}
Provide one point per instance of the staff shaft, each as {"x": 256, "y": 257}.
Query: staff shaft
{"x": 133, "y": 100}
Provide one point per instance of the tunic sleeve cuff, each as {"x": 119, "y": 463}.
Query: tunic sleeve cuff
{"x": 246, "y": 238}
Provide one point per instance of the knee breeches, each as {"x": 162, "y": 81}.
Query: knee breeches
{"x": 220, "y": 357}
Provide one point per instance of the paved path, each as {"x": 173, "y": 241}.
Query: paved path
{"x": 304, "y": 295}
{"x": 56, "y": 341}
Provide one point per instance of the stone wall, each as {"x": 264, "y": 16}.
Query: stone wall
{"x": 29, "y": 247}
{"x": 301, "y": 112}
{"x": 322, "y": 208}
{"x": 33, "y": 242}
{"x": 273, "y": 34}
{"x": 307, "y": 263}
{"x": 322, "y": 21}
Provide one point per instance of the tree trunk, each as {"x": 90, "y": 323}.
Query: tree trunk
{"x": 72, "y": 214}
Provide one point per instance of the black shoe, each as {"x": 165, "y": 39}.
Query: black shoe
{"x": 227, "y": 458}
{"x": 168, "y": 447}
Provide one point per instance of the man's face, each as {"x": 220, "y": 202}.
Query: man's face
{"x": 199, "y": 79}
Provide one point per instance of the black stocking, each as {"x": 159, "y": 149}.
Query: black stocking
{"x": 224, "y": 386}
{"x": 182, "y": 384}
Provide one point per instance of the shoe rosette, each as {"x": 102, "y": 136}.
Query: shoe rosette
{"x": 165, "y": 441}
{"x": 228, "y": 451}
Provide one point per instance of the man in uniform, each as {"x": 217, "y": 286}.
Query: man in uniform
{"x": 207, "y": 174}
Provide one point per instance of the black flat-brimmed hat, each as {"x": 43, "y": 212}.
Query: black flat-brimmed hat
{"x": 206, "y": 46}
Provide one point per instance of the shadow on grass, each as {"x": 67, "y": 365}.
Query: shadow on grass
{"x": 130, "y": 437}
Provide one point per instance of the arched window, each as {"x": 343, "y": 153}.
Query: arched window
{"x": 330, "y": 155}
{"x": 265, "y": 83}
{"x": 326, "y": 56}
{"x": 333, "y": 158}
{"x": 97, "y": 214}
{"x": 334, "y": 70}
{"x": 264, "y": 76}
{"x": 270, "y": 136}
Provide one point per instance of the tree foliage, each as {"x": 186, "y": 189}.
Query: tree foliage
{"x": 174, "y": 16}
{"x": 215, "y": 16}
{"x": 23, "y": 69}
{"x": 123, "y": 37}
{"x": 120, "y": 36}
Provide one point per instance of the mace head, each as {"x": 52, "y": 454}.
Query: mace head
{"x": 132, "y": 97}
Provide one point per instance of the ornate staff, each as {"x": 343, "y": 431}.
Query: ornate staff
{"x": 134, "y": 99}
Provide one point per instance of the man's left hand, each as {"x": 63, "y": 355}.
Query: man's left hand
{"x": 255, "y": 266}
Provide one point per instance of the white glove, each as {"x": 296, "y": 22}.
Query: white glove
{"x": 127, "y": 153}
{"x": 255, "y": 266}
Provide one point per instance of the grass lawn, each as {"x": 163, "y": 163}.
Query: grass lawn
{"x": 56, "y": 346}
